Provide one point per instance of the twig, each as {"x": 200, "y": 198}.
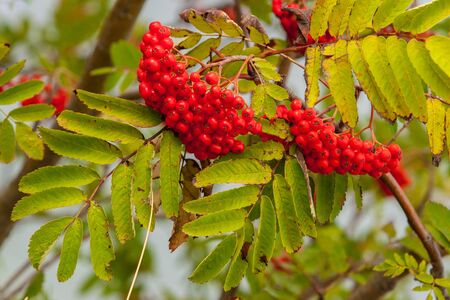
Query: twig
{"x": 397, "y": 134}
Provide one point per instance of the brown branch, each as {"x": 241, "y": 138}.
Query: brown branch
{"x": 416, "y": 224}
{"x": 377, "y": 286}
{"x": 117, "y": 25}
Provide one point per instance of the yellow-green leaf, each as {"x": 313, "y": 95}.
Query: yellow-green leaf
{"x": 102, "y": 251}
{"x": 438, "y": 46}
{"x": 199, "y": 21}
{"x": 203, "y": 50}
{"x": 447, "y": 128}
{"x": 361, "y": 16}
{"x": 340, "y": 80}
{"x": 69, "y": 250}
{"x": 122, "y": 179}
{"x": 361, "y": 69}
{"x": 212, "y": 264}
{"x": 266, "y": 151}
{"x": 313, "y": 58}
{"x": 29, "y": 141}
{"x": 45, "y": 200}
{"x": 4, "y": 49}
{"x": 388, "y": 11}
{"x": 190, "y": 41}
{"x": 245, "y": 171}
{"x": 11, "y": 72}
{"x": 319, "y": 17}
{"x": 100, "y": 128}
{"x": 409, "y": 81}
{"x": 170, "y": 173}
{"x": 216, "y": 223}
{"x": 436, "y": 125}
{"x": 265, "y": 238}
{"x": 325, "y": 197}
{"x": 339, "y": 197}
{"x": 31, "y": 113}
{"x": 339, "y": 17}
{"x": 288, "y": 222}
{"x": 7, "y": 141}
{"x": 21, "y": 92}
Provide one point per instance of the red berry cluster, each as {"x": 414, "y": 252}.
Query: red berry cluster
{"x": 205, "y": 115}
{"x": 59, "y": 97}
{"x": 290, "y": 25}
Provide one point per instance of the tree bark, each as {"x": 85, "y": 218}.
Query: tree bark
{"x": 117, "y": 25}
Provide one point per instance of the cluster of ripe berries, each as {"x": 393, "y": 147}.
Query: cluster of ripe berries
{"x": 206, "y": 116}
{"x": 326, "y": 151}
{"x": 289, "y": 22}
{"x": 58, "y": 97}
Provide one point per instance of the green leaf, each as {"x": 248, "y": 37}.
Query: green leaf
{"x": 103, "y": 71}
{"x": 313, "y": 66}
{"x": 170, "y": 173}
{"x": 361, "y": 16}
{"x": 233, "y": 48}
{"x": 69, "y": 250}
{"x": 276, "y": 92}
{"x": 265, "y": 239}
{"x": 227, "y": 25}
{"x": 56, "y": 176}
{"x": 125, "y": 110}
{"x": 339, "y": 17}
{"x": 203, "y": 50}
{"x": 374, "y": 51}
{"x": 423, "y": 17}
{"x": 180, "y": 32}
{"x": 29, "y": 141}
{"x": 340, "y": 190}
{"x": 438, "y": 215}
{"x": 125, "y": 55}
{"x": 211, "y": 266}
{"x": 407, "y": 78}
{"x": 436, "y": 125}
{"x": 122, "y": 179}
{"x": 227, "y": 200}
{"x": 141, "y": 184}
{"x": 7, "y": 141}
{"x": 102, "y": 251}
{"x": 265, "y": 151}
{"x": 256, "y": 31}
{"x": 324, "y": 196}
{"x": 366, "y": 79}
{"x": 438, "y": 47}
{"x": 11, "y": 72}
{"x": 267, "y": 69}
{"x": 340, "y": 79}
{"x": 79, "y": 146}
{"x": 245, "y": 171}
{"x": 425, "y": 278}
{"x": 21, "y": 92}
{"x": 319, "y": 17}
{"x": 433, "y": 76}
{"x": 259, "y": 98}
{"x": 100, "y": 128}
{"x": 44, "y": 238}
{"x": 4, "y": 49}
{"x": 288, "y": 223}
{"x": 216, "y": 223}
{"x": 357, "y": 189}
{"x": 35, "y": 286}
{"x": 42, "y": 201}
{"x": 447, "y": 127}
{"x": 444, "y": 282}
{"x": 303, "y": 201}
{"x": 388, "y": 11}
{"x": 199, "y": 21}
{"x": 190, "y": 41}
{"x": 279, "y": 128}
{"x": 32, "y": 113}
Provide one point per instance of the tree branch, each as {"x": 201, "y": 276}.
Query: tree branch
{"x": 116, "y": 26}
{"x": 377, "y": 286}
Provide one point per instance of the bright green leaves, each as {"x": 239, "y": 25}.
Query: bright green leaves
{"x": 279, "y": 128}
{"x": 211, "y": 266}
{"x": 313, "y": 58}
{"x": 436, "y": 126}
{"x": 433, "y": 76}
{"x": 100, "y": 128}
{"x": 227, "y": 200}
{"x": 29, "y": 141}
{"x": 361, "y": 15}
{"x": 325, "y": 195}
{"x": 374, "y": 52}
{"x": 438, "y": 47}
{"x": 79, "y": 147}
{"x": 288, "y": 223}
{"x": 245, "y": 171}
{"x": 203, "y": 50}
{"x": 7, "y": 141}
{"x": 319, "y": 17}
{"x": 170, "y": 173}
{"x": 408, "y": 80}
{"x": 122, "y": 179}
{"x": 102, "y": 252}
{"x": 265, "y": 239}
{"x": 32, "y": 113}
{"x": 216, "y": 223}
{"x": 21, "y": 92}
{"x": 142, "y": 172}
{"x": 269, "y": 72}
{"x": 44, "y": 238}
{"x": 56, "y": 176}
{"x": 422, "y": 18}
{"x": 125, "y": 110}
{"x": 340, "y": 79}
{"x": 264, "y": 96}
{"x": 301, "y": 195}
{"x": 69, "y": 250}
{"x": 388, "y": 11}
{"x": 42, "y": 201}
{"x": 11, "y": 72}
